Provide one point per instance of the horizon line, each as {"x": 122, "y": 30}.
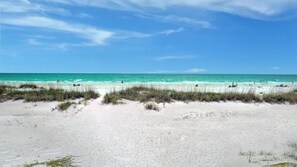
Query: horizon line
{"x": 147, "y": 73}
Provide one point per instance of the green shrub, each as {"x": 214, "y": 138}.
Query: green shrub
{"x": 31, "y": 86}
{"x": 4, "y": 88}
{"x": 90, "y": 95}
{"x": 111, "y": 98}
{"x": 290, "y": 97}
{"x": 144, "y": 94}
{"x": 64, "y": 106}
{"x": 151, "y": 106}
{"x": 62, "y": 162}
{"x": 45, "y": 95}
{"x": 282, "y": 164}
{"x": 7, "y": 87}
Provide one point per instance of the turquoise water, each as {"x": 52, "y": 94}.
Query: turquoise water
{"x": 145, "y": 78}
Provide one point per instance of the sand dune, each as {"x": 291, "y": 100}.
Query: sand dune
{"x": 180, "y": 134}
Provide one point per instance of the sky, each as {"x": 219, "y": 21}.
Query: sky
{"x": 149, "y": 36}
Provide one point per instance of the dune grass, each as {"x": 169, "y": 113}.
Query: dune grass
{"x": 62, "y": 162}
{"x": 31, "y": 86}
{"x": 290, "y": 97}
{"x": 151, "y": 106}
{"x": 282, "y": 164}
{"x": 291, "y": 154}
{"x": 112, "y": 98}
{"x": 44, "y": 94}
{"x": 145, "y": 94}
{"x": 64, "y": 106}
{"x": 3, "y": 88}
{"x": 6, "y": 87}
{"x": 90, "y": 95}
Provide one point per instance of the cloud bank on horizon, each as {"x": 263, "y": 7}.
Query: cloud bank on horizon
{"x": 75, "y": 24}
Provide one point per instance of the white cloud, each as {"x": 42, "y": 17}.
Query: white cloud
{"x": 247, "y": 8}
{"x": 178, "y": 20}
{"x": 32, "y": 41}
{"x": 39, "y": 36}
{"x": 275, "y": 68}
{"x": 93, "y": 35}
{"x": 173, "y": 57}
{"x": 132, "y": 34}
{"x": 184, "y": 20}
{"x": 83, "y": 15}
{"x": 196, "y": 70}
{"x": 25, "y": 6}
{"x": 64, "y": 46}
{"x": 171, "y": 31}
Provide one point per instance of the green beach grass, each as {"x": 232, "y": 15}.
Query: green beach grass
{"x": 30, "y": 86}
{"x": 37, "y": 94}
{"x": 64, "y": 106}
{"x": 61, "y": 162}
{"x": 145, "y": 94}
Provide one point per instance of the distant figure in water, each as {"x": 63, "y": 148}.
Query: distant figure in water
{"x": 122, "y": 81}
{"x": 58, "y": 81}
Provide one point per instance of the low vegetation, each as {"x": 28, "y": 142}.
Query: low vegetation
{"x": 7, "y": 87}
{"x": 62, "y": 162}
{"x": 282, "y": 164}
{"x": 265, "y": 153}
{"x": 90, "y": 95}
{"x": 248, "y": 154}
{"x": 291, "y": 154}
{"x": 64, "y": 106}
{"x": 151, "y": 106}
{"x": 4, "y": 87}
{"x": 30, "y": 86}
{"x": 144, "y": 94}
{"x": 44, "y": 94}
{"x": 293, "y": 145}
{"x": 290, "y": 97}
{"x": 112, "y": 98}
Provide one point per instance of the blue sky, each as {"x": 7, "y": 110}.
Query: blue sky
{"x": 149, "y": 36}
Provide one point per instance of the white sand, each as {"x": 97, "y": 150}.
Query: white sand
{"x": 194, "y": 134}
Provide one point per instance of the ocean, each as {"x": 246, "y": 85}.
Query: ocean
{"x": 146, "y": 78}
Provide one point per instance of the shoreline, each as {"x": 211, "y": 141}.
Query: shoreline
{"x": 150, "y": 82}
{"x": 108, "y": 78}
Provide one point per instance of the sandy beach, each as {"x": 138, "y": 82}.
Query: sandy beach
{"x": 180, "y": 134}
{"x": 148, "y": 83}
